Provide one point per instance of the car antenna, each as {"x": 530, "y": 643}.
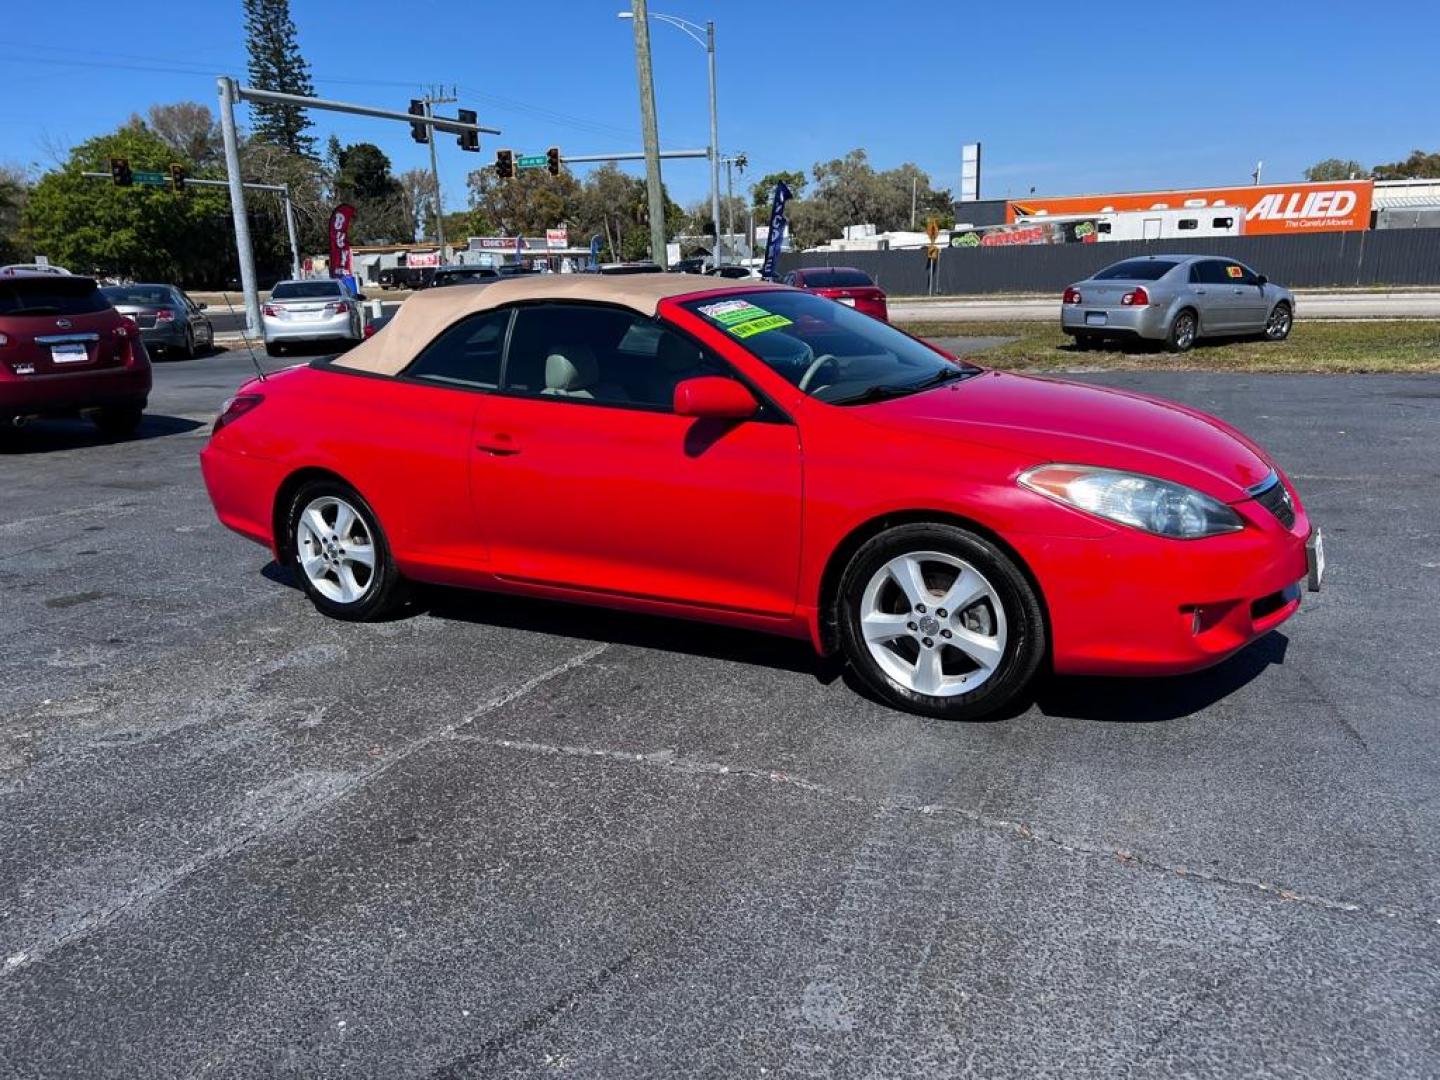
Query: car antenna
{"x": 245, "y": 337}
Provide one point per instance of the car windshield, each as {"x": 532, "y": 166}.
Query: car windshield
{"x": 137, "y": 294}
{"x": 1136, "y": 270}
{"x": 50, "y": 295}
{"x": 832, "y": 352}
{"x": 305, "y": 290}
{"x": 836, "y": 279}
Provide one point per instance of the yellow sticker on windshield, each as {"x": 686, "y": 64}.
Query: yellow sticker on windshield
{"x": 756, "y": 326}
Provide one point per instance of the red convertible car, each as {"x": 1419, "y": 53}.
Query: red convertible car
{"x": 760, "y": 456}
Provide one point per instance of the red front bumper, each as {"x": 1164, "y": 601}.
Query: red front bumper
{"x": 1136, "y": 604}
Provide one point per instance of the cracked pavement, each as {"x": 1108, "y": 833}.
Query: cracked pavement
{"x": 504, "y": 838}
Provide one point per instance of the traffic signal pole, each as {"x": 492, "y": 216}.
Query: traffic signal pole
{"x": 230, "y": 93}
{"x": 243, "y": 251}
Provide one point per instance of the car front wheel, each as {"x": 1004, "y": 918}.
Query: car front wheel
{"x": 1277, "y": 327}
{"x": 338, "y": 551}
{"x": 939, "y": 621}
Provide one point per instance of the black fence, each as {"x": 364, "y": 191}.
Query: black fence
{"x": 1378, "y": 257}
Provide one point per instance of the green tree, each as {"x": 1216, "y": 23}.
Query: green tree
{"x": 528, "y": 204}
{"x": 364, "y": 180}
{"x": 1417, "y": 166}
{"x": 848, "y": 191}
{"x": 763, "y": 190}
{"x": 277, "y": 64}
{"x": 190, "y": 130}
{"x": 141, "y": 232}
{"x": 1337, "y": 169}
{"x": 14, "y": 189}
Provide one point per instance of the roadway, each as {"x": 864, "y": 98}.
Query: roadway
{"x": 497, "y": 837}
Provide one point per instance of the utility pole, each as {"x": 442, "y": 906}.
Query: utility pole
{"x": 640, "y": 15}
{"x": 714, "y": 146}
{"x": 914, "y": 189}
{"x": 436, "y": 97}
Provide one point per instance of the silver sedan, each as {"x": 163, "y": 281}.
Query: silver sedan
{"x": 306, "y": 311}
{"x": 1176, "y": 299}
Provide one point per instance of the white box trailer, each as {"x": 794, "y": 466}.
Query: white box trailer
{"x": 1166, "y": 224}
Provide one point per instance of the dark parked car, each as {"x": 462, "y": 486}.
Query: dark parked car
{"x": 630, "y": 268}
{"x": 167, "y": 318}
{"x": 851, "y": 287}
{"x": 65, "y": 349}
{"x": 464, "y": 275}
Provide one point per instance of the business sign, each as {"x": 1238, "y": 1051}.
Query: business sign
{"x": 1032, "y": 232}
{"x": 340, "y": 219}
{"x": 502, "y": 243}
{"x": 422, "y": 258}
{"x": 557, "y": 238}
{"x": 1339, "y": 206}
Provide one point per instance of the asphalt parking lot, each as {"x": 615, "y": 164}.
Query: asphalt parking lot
{"x": 503, "y": 838}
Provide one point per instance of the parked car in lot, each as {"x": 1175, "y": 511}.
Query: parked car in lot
{"x": 65, "y": 349}
{"x": 734, "y": 271}
{"x": 308, "y": 311}
{"x": 28, "y": 269}
{"x": 464, "y": 275}
{"x": 762, "y": 457}
{"x": 851, "y": 287}
{"x": 167, "y": 319}
{"x": 1176, "y": 300}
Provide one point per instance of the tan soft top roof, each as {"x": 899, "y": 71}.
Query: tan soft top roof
{"x": 425, "y": 314}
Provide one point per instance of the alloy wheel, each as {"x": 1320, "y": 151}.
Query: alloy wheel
{"x": 933, "y": 623}
{"x": 1278, "y": 325}
{"x": 336, "y": 549}
{"x": 1185, "y": 331}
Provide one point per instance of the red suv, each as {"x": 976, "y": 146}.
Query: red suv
{"x": 851, "y": 287}
{"x": 65, "y": 349}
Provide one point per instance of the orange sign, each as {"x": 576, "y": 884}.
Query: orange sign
{"x": 1269, "y": 208}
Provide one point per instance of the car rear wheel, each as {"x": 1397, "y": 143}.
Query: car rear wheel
{"x": 338, "y": 551}
{"x": 939, "y": 621}
{"x": 274, "y": 348}
{"x": 1277, "y": 327}
{"x": 1183, "y": 330}
{"x": 118, "y": 421}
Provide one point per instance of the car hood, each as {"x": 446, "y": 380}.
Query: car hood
{"x": 1043, "y": 420}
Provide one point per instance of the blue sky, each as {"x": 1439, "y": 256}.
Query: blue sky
{"x": 1066, "y": 97}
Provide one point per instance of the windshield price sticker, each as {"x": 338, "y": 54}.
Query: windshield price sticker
{"x": 755, "y": 326}
{"x": 742, "y": 318}
{"x": 1235, "y": 271}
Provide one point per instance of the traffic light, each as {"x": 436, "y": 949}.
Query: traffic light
{"x": 418, "y": 132}
{"x": 505, "y": 164}
{"x": 120, "y": 172}
{"x": 468, "y": 140}
{"x": 177, "y": 177}
{"x": 552, "y": 160}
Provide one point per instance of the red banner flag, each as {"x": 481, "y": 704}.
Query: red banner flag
{"x": 340, "y": 259}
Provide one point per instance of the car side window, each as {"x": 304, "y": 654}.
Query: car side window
{"x": 466, "y": 354}
{"x": 1210, "y": 272}
{"x": 1246, "y": 276}
{"x": 604, "y": 355}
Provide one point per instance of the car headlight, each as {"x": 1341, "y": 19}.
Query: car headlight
{"x": 1142, "y": 502}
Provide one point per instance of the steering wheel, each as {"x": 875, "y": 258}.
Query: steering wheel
{"x": 815, "y": 365}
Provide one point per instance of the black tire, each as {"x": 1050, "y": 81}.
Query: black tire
{"x": 118, "y": 421}
{"x": 188, "y": 351}
{"x": 274, "y": 348}
{"x": 1184, "y": 329}
{"x": 1025, "y": 648}
{"x": 384, "y": 591}
{"x": 1277, "y": 326}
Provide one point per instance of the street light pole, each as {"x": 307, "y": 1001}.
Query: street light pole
{"x": 237, "y": 203}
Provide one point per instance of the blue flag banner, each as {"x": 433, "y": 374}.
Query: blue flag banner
{"x": 595, "y": 251}
{"x": 778, "y": 225}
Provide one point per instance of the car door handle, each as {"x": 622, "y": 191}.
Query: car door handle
{"x": 498, "y": 445}
{"x": 1200, "y": 292}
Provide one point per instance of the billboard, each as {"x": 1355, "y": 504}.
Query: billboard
{"x": 1337, "y": 206}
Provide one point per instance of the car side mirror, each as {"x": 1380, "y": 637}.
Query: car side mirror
{"x": 714, "y": 397}
{"x": 1263, "y": 280}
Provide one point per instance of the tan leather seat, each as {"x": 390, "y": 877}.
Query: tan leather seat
{"x": 573, "y": 371}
